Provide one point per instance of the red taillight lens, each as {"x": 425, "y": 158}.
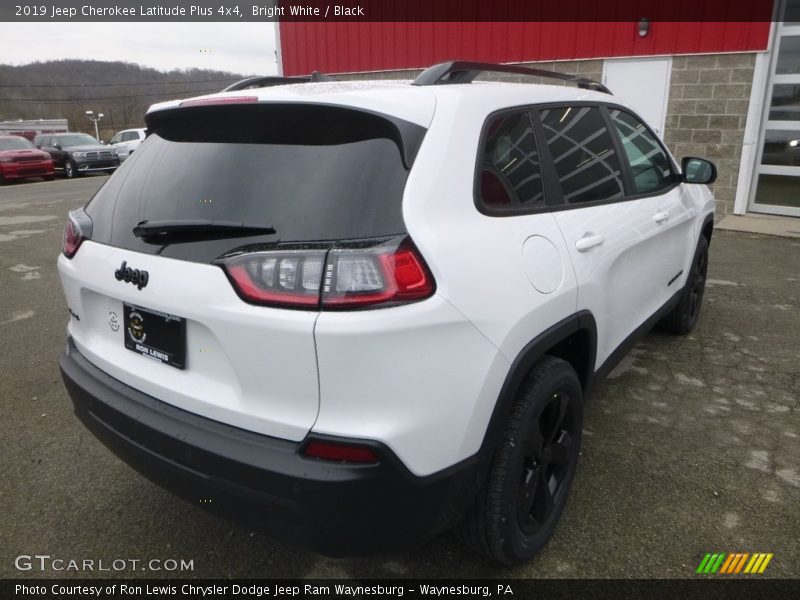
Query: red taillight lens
{"x": 386, "y": 274}
{"x": 73, "y": 236}
{"x": 348, "y": 276}
{"x": 278, "y": 278}
{"x": 340, "y": 452}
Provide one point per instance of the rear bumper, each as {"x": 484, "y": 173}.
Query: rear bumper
{"x": 337, "y": 509}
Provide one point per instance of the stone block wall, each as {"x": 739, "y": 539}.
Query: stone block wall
{"x": 708, "y": 100}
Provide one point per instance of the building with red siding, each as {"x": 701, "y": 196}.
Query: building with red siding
{"x": 725, "y": 90}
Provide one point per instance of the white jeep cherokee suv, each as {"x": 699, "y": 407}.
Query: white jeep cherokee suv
{"x": 360, "y": 313}
{"x": 125, "y": 142}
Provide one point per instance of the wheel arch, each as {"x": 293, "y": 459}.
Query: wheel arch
{"x": 707, "y": 228}
{"x": 573, "y": 339}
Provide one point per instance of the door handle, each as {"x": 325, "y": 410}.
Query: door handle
{"x": 588, "y": 242}
{"x": 660, "y": 217}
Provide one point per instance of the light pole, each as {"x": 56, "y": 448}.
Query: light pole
{"x": 90, "y": 115}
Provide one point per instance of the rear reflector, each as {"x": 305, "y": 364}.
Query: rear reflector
{"x": 340, "y": 452}
{"x": 349, "y": 275}
{"x": 221, "y": 100}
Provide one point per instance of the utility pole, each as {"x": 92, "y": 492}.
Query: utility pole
{"x": 91, "y": 116}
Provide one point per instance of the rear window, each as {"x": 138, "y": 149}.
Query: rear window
{"x": 312, "y": 173}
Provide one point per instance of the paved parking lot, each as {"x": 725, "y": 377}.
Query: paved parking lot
{"x": 691, "y": 446}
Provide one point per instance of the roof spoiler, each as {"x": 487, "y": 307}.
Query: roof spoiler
{"x": 272, "y": 80}
{"x": 459, "y": 71}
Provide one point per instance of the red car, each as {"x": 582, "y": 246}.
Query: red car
{"x": 20, "y": 159}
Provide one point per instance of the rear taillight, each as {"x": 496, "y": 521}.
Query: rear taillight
{"x": 349, "y": 275}
{"x": 77, "y": 229}
{"x": 279, "y": 278}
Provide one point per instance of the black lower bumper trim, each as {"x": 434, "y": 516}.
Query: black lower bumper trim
{"x": 338, "y": 509}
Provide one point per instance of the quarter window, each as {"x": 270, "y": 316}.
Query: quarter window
{"x": 648, "y": 160}
{"x": 509, "y": 170}
{"x": 586, "y": 164}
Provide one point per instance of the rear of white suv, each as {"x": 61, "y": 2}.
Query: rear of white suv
{"x": 320, "y": 313}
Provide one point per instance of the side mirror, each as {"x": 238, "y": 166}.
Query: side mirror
{"x": 58, "y": 146}
{"x": 698, "y": 170}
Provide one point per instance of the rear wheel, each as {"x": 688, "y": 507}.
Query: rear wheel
{"x": 683, "y": 317}
{"x": 529, "y": 481}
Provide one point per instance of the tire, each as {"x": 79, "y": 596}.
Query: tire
{"x": 69, "y": 170}
{"x": 683, "y": 317}
{"x": 514, "y": 514}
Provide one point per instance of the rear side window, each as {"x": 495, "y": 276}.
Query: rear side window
{"x": 649, "y": 163}
{"x": 311, "y": 173}
{"x": 509, "y": 173}
{"x": 587, "y": 166}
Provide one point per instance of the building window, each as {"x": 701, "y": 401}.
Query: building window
{"x": 777, "y": 177}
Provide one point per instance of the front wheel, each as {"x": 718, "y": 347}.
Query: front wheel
{"x": 683, "y": 317}
{"x": 69, "y": 170}
{"x": 529, "y": 481}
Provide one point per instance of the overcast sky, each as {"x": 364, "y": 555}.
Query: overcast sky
{"x": 246, "y": 48}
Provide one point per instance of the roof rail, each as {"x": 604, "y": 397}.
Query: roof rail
{"x": 459, "y": 71}
{"x": 257, "y": 82}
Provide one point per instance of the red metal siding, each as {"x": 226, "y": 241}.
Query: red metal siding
{"x": 347, "y": 46}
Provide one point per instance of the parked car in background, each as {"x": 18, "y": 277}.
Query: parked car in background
{"x": 20, "y": 159}
{"x": 77, "y": 153}
{"x": 125, "y": 142}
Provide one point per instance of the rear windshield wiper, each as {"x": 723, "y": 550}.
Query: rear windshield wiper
{"x": 197, "y": 227}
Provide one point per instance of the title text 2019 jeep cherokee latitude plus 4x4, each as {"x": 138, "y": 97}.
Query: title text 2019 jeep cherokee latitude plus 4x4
{"x": 359, "y": 313}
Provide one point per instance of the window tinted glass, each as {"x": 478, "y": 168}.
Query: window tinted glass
{"x": 311, "y": 174}
{"x": 77, "y": 139}
{"x": 15, "y": 143}
{"x": 509, "y": 171}
{"x": 649, "y": 163}
{"x": 581, "y": 146}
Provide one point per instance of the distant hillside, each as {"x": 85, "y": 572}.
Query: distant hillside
{"x": 121, "y": 91}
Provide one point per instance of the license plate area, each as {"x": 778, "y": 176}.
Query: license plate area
{"x": 156, "y": 335}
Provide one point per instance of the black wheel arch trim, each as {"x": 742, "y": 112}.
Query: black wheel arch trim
{"x": 532, "y": 353}
{"x": 708, "y": 219}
